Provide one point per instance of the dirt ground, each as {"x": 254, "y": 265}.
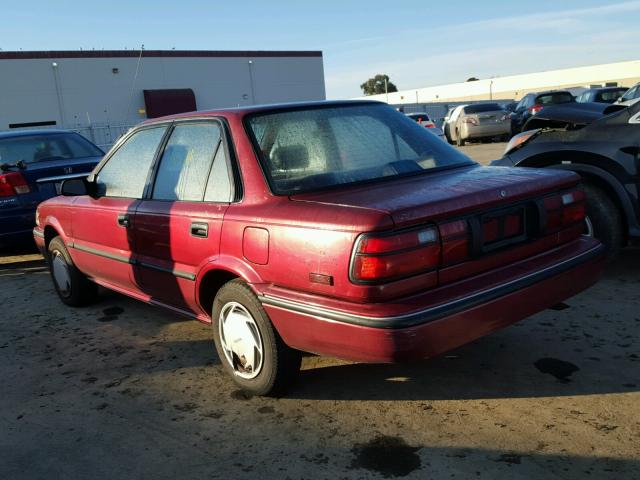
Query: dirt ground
{"x": 124, "y": 390}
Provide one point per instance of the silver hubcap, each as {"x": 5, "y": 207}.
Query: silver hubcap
{"x": 588, "y": 227}
{"x": 61, "y": 274}
{"x": 241, "y": 340}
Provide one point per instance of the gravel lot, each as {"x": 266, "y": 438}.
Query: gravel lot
{"x": 125, "y": 390}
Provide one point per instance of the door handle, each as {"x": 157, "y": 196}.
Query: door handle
{"x": 123, "y": 220}
{"x": 200, "y": 229}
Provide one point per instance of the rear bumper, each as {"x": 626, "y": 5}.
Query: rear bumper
{"x": 437, "y": 328}
{"x": 486, "y": 130}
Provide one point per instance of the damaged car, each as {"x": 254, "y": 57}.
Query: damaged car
{"x": 603, "y": 146}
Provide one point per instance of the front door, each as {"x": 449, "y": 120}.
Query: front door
{"x": 177, "y": 229}
{"x": 102, "y": 241}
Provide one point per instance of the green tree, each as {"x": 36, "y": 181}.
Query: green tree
{"x": 376, "y": 85}
{"x": 472, "y": 79}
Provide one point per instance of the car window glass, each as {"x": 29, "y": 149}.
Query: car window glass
{"x": 186, "y": 161}
{"x": 125, "y": 173}
{"x": 219, "y": 186}
{"x": 49, "y": 147}
{"x": 340, "y": 145}
{"x": 631, "y": 93}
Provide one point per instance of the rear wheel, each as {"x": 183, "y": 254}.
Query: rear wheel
{"x": 459, "y": 141}
{"x": 603, "y": 219}
{"x": 249, "y": 348}
{"x": 73, "y": 286}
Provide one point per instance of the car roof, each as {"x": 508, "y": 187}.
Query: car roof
{"x": 548, "y": 92}
{"x": 245, "y": 110}
{"x": 32, "y": 132}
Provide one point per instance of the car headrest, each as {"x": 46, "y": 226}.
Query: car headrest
{"x": 291, "y": 157}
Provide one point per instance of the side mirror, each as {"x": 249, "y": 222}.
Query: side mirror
{"x": 75, "y": 187}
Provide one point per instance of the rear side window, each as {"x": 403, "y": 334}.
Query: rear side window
{"x": 43, "y": 148}
{"x": 125, "y": 173}
{"x": 610, "y": 96}
{"x": 186, "y": 162}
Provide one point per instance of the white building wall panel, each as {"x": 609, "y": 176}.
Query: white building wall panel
{"x": 77, "y": 91}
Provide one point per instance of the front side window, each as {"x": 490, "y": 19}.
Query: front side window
{"x": 186, "y": 162}
{"x": 321, "y": 147}
{"x": 125, "y": 173}
{"x": 44, "y": 148}
{"x": 631, "y": 94}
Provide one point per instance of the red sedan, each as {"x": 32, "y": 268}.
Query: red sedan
{"x": 338, "y": 228}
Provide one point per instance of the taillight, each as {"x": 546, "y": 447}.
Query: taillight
{"x": 535, "y": 109}
{"x": 386, "y": 257}
{"x": 13, "y": 183}
{"x": 564, "y": 210}
{"x": 470, "y": 120}
{"x": 455, "y": 242}
{"x": 429, "y": 125}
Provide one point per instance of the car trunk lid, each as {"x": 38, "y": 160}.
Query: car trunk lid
{"x": 446, "y": 194}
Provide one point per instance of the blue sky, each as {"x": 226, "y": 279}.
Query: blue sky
{"x": 417, "y": 43}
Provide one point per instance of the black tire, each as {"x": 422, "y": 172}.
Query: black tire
{"x": 459, "y": 141}
{"x": 605, "y": 219}
{"x": 280, "y": 363}
{"x": 79, "y": 290}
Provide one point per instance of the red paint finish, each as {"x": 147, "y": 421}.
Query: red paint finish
{"x": 282, "y": 245}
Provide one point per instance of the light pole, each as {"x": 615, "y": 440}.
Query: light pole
{"x": 386, "y": 89}
{"x": 56, "y": 82}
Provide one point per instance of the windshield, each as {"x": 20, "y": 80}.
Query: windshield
{"x": 320, "y": 147}
{"x": 42, "y": 148}
{"x": 482, "y": 107}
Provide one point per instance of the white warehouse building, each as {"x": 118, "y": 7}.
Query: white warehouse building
{"x": 97, "y": 90}
{"x": 514, "y": 87}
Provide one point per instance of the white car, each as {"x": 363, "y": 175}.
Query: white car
{"x": 422, "y": 118}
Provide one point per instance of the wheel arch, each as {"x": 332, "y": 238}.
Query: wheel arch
{"x": 218, "y": 272}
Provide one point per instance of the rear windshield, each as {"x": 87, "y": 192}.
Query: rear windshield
{"x": 321, "y": 147}
{"x": 553, "y": 98}
{"x": 419, "y": 117}
{"x": 482, "y": 107}
{"x": 42, "y": 148}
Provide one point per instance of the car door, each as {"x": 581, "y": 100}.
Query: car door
{"x": 178, "y": 224}
{"x": 102, "y": 239}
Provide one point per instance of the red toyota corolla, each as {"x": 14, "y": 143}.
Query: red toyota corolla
{"x": 338, "y": 228}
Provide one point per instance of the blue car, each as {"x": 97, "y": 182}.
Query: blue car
{"x": 33, "y": 164}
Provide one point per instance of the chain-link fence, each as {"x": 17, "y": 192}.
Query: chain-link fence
{"x": 103, "y": 135}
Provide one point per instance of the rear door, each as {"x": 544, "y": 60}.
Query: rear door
{"x": 178, "y": 224}
{"x": 103, "y": 239}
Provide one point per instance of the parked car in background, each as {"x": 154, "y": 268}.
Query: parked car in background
{"x": 421, "y": 118}
{"x": 606, "y": 153}
{"x": 449, "y": 119}
{"x": 339, "y": 228}
{"x": 480, "y": 121}
{"x": 601, "y": 95}
{"x": 33, "y": 163}
{"x": 532, "y": 103}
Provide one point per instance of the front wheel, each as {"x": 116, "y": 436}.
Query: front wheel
{"x": 603, "y": 219}
{"x": 249, "y": 348}
{"x": 73, "y": 287}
